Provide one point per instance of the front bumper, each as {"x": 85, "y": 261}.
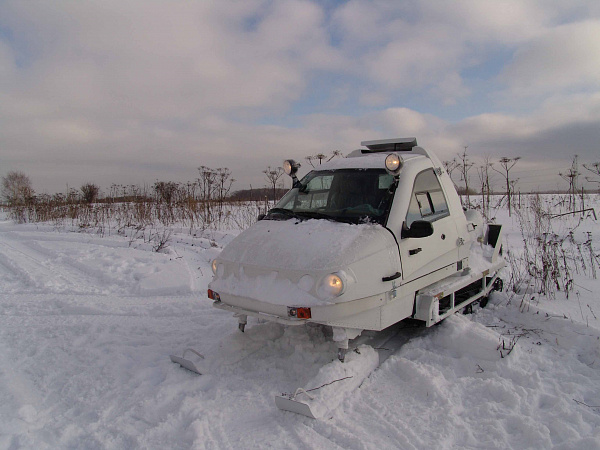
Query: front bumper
{"x": 323, "y": 314}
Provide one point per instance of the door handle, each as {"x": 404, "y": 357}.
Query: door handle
{"x": 392, "y": 277}
{"x": 414, "y": 251}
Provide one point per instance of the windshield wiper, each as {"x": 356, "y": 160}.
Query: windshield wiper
{"x": 284, "y": 212}
{"x": 314, "y": 215}
{"x": 331, "y": 218}
{"x": 300, "y": 215}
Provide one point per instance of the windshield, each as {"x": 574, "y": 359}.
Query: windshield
{"x": 348, "y": 195}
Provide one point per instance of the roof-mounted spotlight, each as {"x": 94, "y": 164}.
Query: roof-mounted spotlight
{"x": 290, "y": 167}
{"x": 393, "y": 164}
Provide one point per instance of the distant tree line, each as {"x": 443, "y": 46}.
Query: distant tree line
{"x": 259, "y": 194}
{"x": 212, "y": 188}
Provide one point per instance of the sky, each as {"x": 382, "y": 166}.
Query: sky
{"x": 131, "y": 92}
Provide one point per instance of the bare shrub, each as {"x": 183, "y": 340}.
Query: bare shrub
{"x": 572, "y": 177}
{"x": 483, "y": 171}
{"x": 89, "y": 193}
{"x": 549, "y": 258}
{"x": 165, "y": 191}
{"x": 137, "y": 211}
{"x": 273, "y": 175}
{"x": 322, "y": 157}
{"x": 465, "y": 165}
{"x": 160, "y": 239}
{"x": 16, "y": 188}
{"x": 18, "y": 194}
{"x": 594, "y": 168}
{"x": 507, "y": 164}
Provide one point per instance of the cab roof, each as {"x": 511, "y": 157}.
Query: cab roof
{"x": 390, "y": 145}
{"x": 373, "y": 157}
{"x": 365, "y": 161}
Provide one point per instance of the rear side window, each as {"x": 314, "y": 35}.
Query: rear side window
{"x": 427, "y": 200}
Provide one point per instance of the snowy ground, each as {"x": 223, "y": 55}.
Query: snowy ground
{"x": 87, "y": 324}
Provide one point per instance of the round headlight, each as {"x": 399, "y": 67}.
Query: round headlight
{"x": 214, "y": 266}
{"x": 393, "y": 164}
{"x": 290, "y": 167}
{"x": 331, "y": 285}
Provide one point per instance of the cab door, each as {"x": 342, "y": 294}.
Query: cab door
{"x": 424, "y": 256}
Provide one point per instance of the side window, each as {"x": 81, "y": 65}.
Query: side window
{"x": 427, "y": 200}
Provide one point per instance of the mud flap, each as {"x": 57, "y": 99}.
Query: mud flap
{"x": 186, "y": 363}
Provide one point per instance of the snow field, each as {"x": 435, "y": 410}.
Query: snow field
{"x": 87, "y": 324}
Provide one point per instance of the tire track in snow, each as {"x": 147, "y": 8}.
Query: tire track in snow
{"x": 88, "y": 266}
{"x": 39, "y": 272}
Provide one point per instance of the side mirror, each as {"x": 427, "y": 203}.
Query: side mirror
{"x": 418, "y": 229}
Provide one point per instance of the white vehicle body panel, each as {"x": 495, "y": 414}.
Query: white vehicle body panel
{"x": 268, "y": 261}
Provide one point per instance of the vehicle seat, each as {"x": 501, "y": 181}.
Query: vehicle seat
{"x": 350, "y": 192}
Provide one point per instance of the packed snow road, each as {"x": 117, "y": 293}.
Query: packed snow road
{"x": 87, "y": 324}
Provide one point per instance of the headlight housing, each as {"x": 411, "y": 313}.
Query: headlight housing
{"x": 393, "y": 164}
{"x": 214, "y": 265}
{"x": 331, "y": 285}
{"x": 290, "y": 167}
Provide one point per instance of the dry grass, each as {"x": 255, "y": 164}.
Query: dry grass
{"x": 142, "y": 213}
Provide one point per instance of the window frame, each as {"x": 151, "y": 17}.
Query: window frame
{"x": 416, "y": 209}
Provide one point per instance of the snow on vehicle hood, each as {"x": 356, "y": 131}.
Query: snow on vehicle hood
{"x": 268, "y": 261}
{"x": 314, "y": 245}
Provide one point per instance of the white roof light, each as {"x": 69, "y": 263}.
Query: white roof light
{"x": 393, "y": 164}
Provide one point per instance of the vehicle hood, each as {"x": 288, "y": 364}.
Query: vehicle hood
{"x": 312, "y": 245}
{"x": 270, "y": 261}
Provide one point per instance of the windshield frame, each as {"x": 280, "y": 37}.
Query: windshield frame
{"x": 352, "y": 184}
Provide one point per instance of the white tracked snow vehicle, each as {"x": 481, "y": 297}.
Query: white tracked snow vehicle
{"x": 360, "y": 243}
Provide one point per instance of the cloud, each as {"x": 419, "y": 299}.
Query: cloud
{"x": 137, "y": 91}
{"x": 565, "y": 57}
{"x": 161, "y": 82}
{"x": 404, "y": 121}
{"x": 494, "y": 22}
{"x": 427, "y": 45}
{"x": 495, "y": 127}
{"x": 396, "y": 50}
{"x": 430, "y": 46}
{"x": 174, "y": 59}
